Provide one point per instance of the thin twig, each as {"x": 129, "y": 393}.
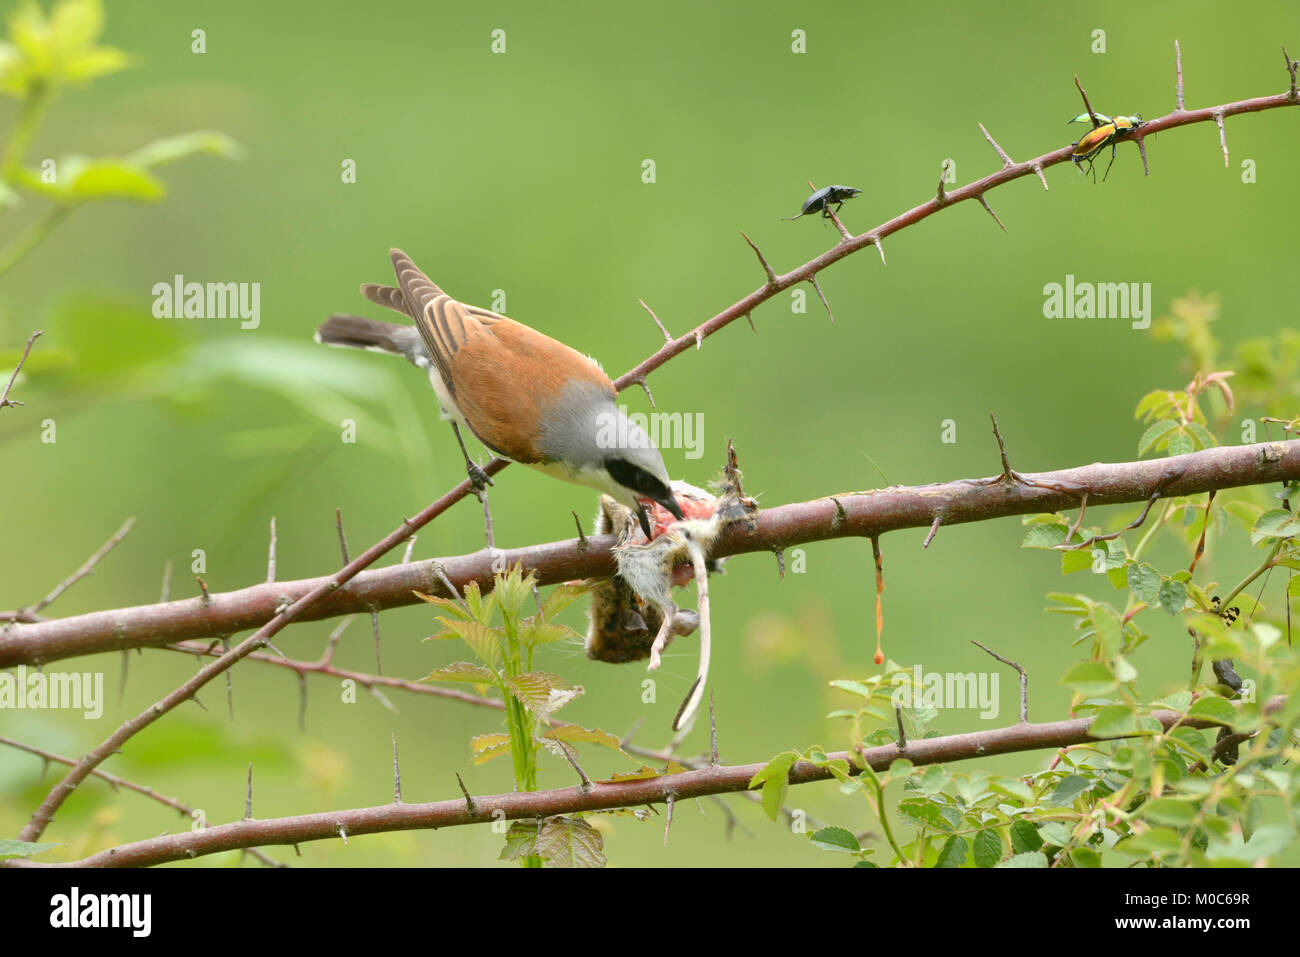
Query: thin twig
{"x": 270, "y": 556}
{"x": 934, "y": 530}
{"x": 667, "y": 335}
{"x": 820, "y": 295}
{"x": 1006, "y": 160}
{"x": 767, "y": 270}
{"x": 989, "y": 209}
{"x": 115, "y": 782}
{"x": 1024, "y": 680}
{"x": 84, "y": 570}
{"x": 1178, "y": 64}
{"x": 397, "y": 774}
{"x": 1086, "y": 105}
{"x": 4, "y": 397}
{"x": 343, "y": 537}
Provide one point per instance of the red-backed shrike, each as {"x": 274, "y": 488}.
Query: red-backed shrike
{"x": 526, "y": 397}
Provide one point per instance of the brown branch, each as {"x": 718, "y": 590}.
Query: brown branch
{"x": 599, "y": 796}
{"x": 915, "y": 215}
{"x": 259, "y": 639}
{"x": 32, "y": 612}
{"x": 856, "y": 514}
{"x": 4, "y": 397}
{"x": 116, "y": 782}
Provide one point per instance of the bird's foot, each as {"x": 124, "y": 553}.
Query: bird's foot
{"x": 477, "y": 477}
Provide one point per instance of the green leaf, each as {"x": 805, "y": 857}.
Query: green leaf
{"x": 173, "y": 148}
{"x": 1176, "y": 812}
{"x": 542, "y": 692}
{"x": 485, "y": 747}
{"x": 570, "y": 842}
{"x": 1113, "y": 721}
{"x": 1173, "y": 596}
{"x": 954, "y": 853}
{"x": 1159, "y": 399}
{"x": 987, "y": 848}
{"x": 12, "y": 848}
{"x": 924, "y": 813}
{"x": 482, "y": 640}
{"x": 1144, "y": 583}
{"x": 1110, "y": 627}
{"x": 560, "y": 598}
{"x": 1054, "y": 833}
{"x": 835, "y": 839}
{"x": 1181, "y": 443}
{"x": 462, "y": 671}
{"x": 512, "y": 590}
{"x": 95, "y": 63}
{"x": 446, "y": 604}
{"x": 480, "y": 610}
{"x": 534, "y": 632}
{"x": 1276, "y": 523}
{"x": 1031, "y": 859}
{"x": 80, "y": 179}
{"x": 1154, "y": 434}
{"x": 75, "y": 25}
{"x": 521, "y": 841}
{"x": 1266, "y": 841}
{"x": 1024, "y": 837}
{"x": 577, "y": 734}
{"x": 1070, "y": 788}
{"x": 9, "y": 197}
{"x": 1204, "y": 438}
{"x": 1085, "y": 857}
{"x": 774, "y": 778}
{"x": 1214, "y": 708}
{"x": 1089, "y": 678}
{"x": 1045, "y": 536}
{"x": 1177, "y": 701}
{"x": 852, "y": 687}
{"x": 1155, "y": 840}
{"x": 1075, "y": 560}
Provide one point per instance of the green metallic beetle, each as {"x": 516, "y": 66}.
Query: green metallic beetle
{"x": 1106, "y": 129}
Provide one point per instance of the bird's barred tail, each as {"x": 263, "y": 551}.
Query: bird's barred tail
{"x": 357, "y": 332}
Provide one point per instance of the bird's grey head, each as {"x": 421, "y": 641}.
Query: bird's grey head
{"x": 586, "y": 431}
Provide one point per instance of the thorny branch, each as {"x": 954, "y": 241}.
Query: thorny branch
{"x": 857, "y": 514}
{"x": 598, "y": 796}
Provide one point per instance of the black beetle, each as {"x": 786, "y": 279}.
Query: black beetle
{"x": 820, "y": 201}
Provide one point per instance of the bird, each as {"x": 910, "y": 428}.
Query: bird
{"x": 527, "y": 397}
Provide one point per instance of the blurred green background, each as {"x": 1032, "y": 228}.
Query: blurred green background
{"x": 522, "y": 172}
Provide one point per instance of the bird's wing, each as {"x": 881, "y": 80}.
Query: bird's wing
{"x": 390, "y": 297}
{"x": 502, "y": 375}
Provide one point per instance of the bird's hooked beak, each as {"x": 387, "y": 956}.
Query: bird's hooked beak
{"x": 667, "y": 501}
